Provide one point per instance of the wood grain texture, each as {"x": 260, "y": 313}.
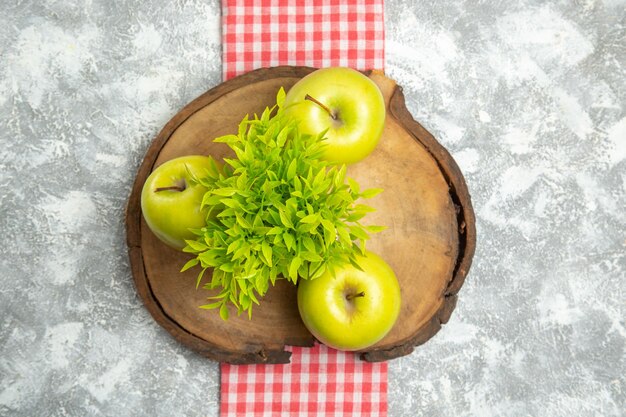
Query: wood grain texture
{"x": 429, "y": 242}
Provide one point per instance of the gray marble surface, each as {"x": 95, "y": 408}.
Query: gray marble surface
{"x": 528, "y": 97}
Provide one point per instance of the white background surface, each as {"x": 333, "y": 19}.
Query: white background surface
{"x": 528, "y": 97}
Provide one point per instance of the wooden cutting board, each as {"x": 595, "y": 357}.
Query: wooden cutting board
{"x": 429, "y": 242}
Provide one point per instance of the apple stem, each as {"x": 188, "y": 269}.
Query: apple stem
{"x": 173, "y": 188}
{"x": 322, "y": 105}
{"x": 351, "y": 296}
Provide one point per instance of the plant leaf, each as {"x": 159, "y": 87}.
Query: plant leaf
{"x": 311, "y": 218}
{"x": 354, "y": 186}
{"x": 224, "y": 312}
{"x": 189, "y": 264}
{"x": 372, "y": 192}
{"x": 293, "y": 268}
{"x": 280, "y": 97}
{"x": 267, "y": 253}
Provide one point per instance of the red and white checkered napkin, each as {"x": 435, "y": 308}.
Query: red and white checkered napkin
{"x": 319, "y": 33}
{"x": 319, "y": 381}
{"x": 316, "y": 33}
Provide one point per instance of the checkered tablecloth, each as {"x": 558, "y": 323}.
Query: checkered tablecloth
{"x": 319, "y": 381}
{"x": 316, "y": 33}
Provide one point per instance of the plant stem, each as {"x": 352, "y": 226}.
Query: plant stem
{"x": 351, "y": 296}
{"x": 173, "y": 188}
{"x": 322, "y": 105}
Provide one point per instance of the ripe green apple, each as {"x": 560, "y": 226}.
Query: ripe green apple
{"x": 347, "y": 104}
{"x": 171, "y": 199}
{"x": 352, "y": 309}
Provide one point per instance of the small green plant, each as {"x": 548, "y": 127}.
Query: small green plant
{"x": 281, "y": 213}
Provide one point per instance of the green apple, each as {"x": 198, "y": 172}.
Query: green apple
{"x": 346, "y": 103}
{"x": 352, "y": 309}
{"x": 171, "y": 199}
